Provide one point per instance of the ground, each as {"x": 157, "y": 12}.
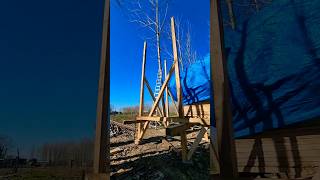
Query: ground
{"x": 156, "y": 158}
{"x": 43, "y": 173}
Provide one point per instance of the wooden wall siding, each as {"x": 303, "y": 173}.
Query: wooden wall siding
{"x": 197, "y": 110}
{"x": 294, "y": 151}
{"x": 294, "y": 155}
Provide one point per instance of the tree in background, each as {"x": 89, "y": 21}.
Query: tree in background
{"x": 5, "y": 145}
{"x": 72, "y": 153}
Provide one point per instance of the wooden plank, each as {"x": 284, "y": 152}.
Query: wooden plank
{"x": 134, "y": 121}
{"x": 221, "y": 96}
{"x": 197, "y": 110}
{"x": 294, "y": 155}
{"x": 184, "y": 148}
{"x": 167, "y": 99}
{"x": 101, "y": 161}
{"x": 214, "y": 160}
{"x": 173, "y": 102}
{"x": 177, "y": 69}
{"x": 141, "y": 107}
{"x": 192, "y": 120}
{"x": 144, "y": 129}
{"x": 196, "y": 142}
{"x": 148, "y": 118}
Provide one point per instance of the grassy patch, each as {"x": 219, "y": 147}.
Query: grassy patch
{"x": 122, "y": 117}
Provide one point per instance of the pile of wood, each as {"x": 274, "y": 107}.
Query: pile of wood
{"x": 119, "y": 128}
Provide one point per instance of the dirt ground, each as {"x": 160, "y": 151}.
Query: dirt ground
{"x": 156, "y": 158}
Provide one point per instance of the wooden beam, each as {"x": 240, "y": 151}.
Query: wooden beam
{"x": 196, "y": 142}
{"x": 167, "y": 99}
{"x": 141, "y": 107}
{"x": 150, "y": 118}
{"x": 144, "y": 129}
{"x": 184, "y": 148}
{"x": 173, "y": 102}
{"x": 193, "y": 120}
{"x": 177, "y": 69}
{"x": 134, "y": 121}
{"x": 101, "y": 161}
{"x": 221, "y": 96}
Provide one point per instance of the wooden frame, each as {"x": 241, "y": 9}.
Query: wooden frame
{"x": 142, "y": 121}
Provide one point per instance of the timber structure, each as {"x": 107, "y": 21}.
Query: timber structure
{"x": 291, "y": 152}
{"x": 175, "y": 125}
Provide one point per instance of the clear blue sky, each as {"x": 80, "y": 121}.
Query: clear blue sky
{"x": 127, "y": 47}
{"x": 49, "y": 64}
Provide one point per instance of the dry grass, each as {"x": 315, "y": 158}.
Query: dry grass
{"x": 48, "y": 173}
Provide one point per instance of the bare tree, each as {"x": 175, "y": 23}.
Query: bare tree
{"x": 187, "y": 54}
{"x": 5, "y": 145}
{"x": 71, "y": 153}
{"x": 150, "y": 15}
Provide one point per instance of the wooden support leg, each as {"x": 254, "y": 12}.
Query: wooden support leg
{"x": 196, "y": 142}
{"x": 143, "y": 130}
{"x": 214, "y": 161}
{"x": 184, "y": 148}
{"x": 141, "y": 107}
{"x": 137, "y": 138}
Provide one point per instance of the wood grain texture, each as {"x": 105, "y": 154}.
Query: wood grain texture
{"x": 221, "y": 95}
{"x": 101, "y": 163}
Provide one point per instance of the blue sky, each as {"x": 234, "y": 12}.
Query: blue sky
{"x": 127, "y": 47}
{"x": 49, "y": 64}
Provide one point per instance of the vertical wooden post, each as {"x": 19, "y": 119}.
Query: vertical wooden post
{"x": 141, "y": 107}
{"x": 101, "y": 163}
{"x": 184, "y": 148}
{"x": 177, "y": 70}
{"x": 167, "y": 94}
{"x": 221, "y": 96}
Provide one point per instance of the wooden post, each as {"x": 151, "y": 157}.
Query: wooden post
{"x": 184, "y": 148}
{"x": 167, "y": 94}
{"x": 141, "y": 107}
{"x": 221, "y": 96}
{"x": 101, "y": 163}
{"x": 177, "y": 70}
{"x": 167, "y": 98}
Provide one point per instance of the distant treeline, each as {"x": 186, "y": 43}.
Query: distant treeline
{"x": 147, "y": 108}
{"x": 70, "y": 153}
